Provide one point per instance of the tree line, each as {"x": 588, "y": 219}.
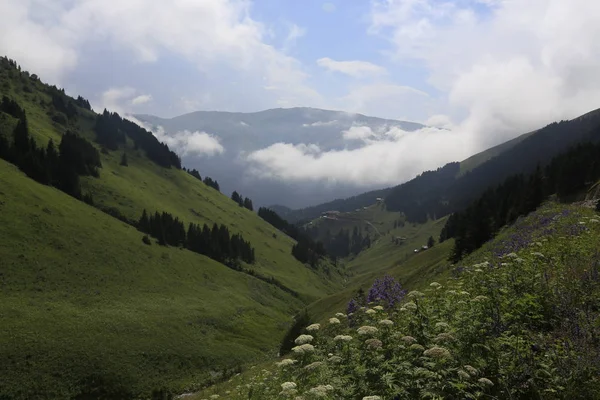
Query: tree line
{"x": 112, "y": 131}
{"x": 60, "y": 167}
{"x": 567, "y": 175}
{"x": 242, "y": 201}
{"x": 306, "y": 250}
{"x": 207, "y": 180}
{"x": 216, "y": 242}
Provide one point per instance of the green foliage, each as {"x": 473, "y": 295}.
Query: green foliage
{"x": 301, "y": 320}
{"x": 430, "y": 242}
{"x": 510, "y": 324}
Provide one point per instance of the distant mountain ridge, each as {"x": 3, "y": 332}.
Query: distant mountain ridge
{"x": 241, "y": 133}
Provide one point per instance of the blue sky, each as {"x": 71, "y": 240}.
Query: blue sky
{"x": 485, "y": 70}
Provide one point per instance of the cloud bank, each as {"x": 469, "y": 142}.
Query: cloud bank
{"x": 187, "y": 143}
{"x": 509, "y": 69}
{"x": 356, "y": 69}
{"x": 392, "y": 156}
{"x": 512, "y": 68}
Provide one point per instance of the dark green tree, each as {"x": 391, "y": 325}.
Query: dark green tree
{"x": 248, "y": 204}
{"x": 430, "y": 242}
{"x": 124, "y": 162}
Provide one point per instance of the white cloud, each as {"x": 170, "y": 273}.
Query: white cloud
{"x": 189, "y": 143}
{"x": 217, "y": 36}
{"x": 358, "y": 133}
{"x": 46, "y": 51}
{"x": 397, "y": 157}
{"x": 356, "y": 69}
{"x": 440, "y": 121}
{"x": 511, "y": 69}
{"x": 321, "y": 123}
{"x": 114, "y": 98}
{"x": 328, "y": 7}
{"x": 295, "y": 32}
{"x": 141, "y": 99}
{"x": 388, "y": 101}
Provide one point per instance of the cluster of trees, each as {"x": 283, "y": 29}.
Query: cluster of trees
{"x": 208, "y": 181}
{"x": 60, "y": 167}
{"x": 306, "y": 250}
{"x": 64, "y": 108}
{"x": 112, "y": 131}
{"x": 242, "y": 201}
{"x": 566, "y": 176}
{"x": 83, "y": 103}
{"x": 216, "y": 242}
{"x": 344, "y": 244}
{"x": 193, "y": 172}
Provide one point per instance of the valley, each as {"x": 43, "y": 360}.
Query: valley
{"x": 127, "y": 273}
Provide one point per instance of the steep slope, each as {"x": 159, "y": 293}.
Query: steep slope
{"x": 242, "y": 133}
{"x": 90, "y": 311}
{"x": 419, "y": 198}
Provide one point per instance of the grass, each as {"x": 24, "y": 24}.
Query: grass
{"x": 82, "y": 296}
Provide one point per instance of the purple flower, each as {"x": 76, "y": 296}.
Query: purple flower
{"x": 386, "y": 291}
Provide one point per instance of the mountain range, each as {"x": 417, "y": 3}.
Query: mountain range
{"x": 239, "y": 134}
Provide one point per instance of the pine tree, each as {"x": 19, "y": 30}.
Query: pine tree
{"x": 248, "y": 204}
{"x": 144, "y": 222}
{"x": 21, "y": 137}
{"x": 124, "y": 160}
{"x": 430, "y": 242}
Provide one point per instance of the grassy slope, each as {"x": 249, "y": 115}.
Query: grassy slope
{"x": 81, "y": 293}
{"x": 384, "y": 256}
{"x": 146, "y": 185}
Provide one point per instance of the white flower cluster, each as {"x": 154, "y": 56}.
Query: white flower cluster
{"x": 303, "y": 349}
{"x": 303, "y": 339}
{"x": 321, "y": 390}
{"x": 342, "y": 338}
{"x": 367, "y": 330}
{"x": 313, "y": 327}
{"x": 286, "y": 362}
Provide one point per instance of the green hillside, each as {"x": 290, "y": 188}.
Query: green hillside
{"x": 90, "y": 311}
{"x": 516, "y": 319}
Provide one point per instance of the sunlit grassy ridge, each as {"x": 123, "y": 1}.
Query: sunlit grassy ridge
{"x": 517, "y": 319}
{"x": 87, "y": 309}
